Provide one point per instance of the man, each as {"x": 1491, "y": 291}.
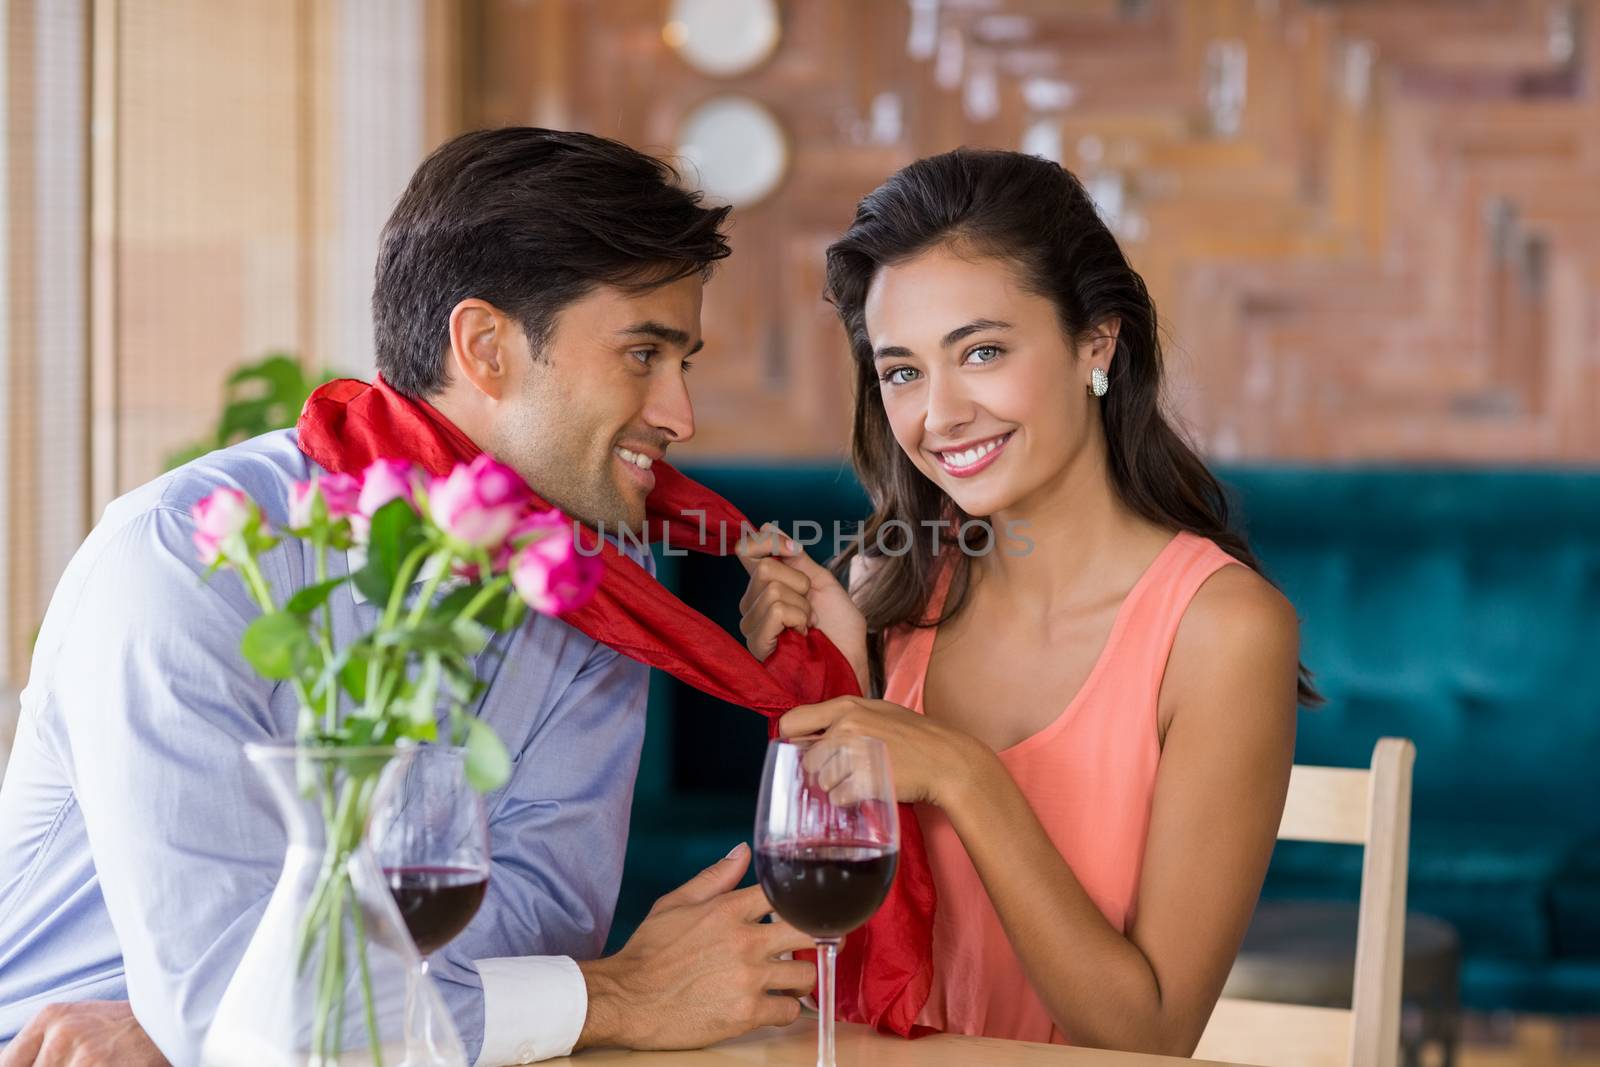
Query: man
{"x": 541, "y": 290}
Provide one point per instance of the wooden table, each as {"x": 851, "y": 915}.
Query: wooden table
{"x": 859, "y": 1046}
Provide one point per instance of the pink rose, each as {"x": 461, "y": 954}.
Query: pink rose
{"x": 342, "y": 493}
{"x": 221, "y": 521}
{"x": 479, "y": 504}
{"x": 302, "y": 503}
{"x": 383, "y": 481}
{"x": 338, "y": 492}
{"x": 550, "y": 574}
{"x": 533, "y": 526}
{"x": 386, "y": 480}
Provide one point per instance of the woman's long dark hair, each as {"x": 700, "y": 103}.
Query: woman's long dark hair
{"x": 1035, "y": 215}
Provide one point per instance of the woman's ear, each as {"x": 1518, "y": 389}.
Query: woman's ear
{"x": 1102, "y": 345}
{"x": 1095, "y": 353}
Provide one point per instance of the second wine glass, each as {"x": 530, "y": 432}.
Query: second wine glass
{"x": 431, "y": 837}
{"x": 430, "y": 833}
{"x": 827, "y": 840}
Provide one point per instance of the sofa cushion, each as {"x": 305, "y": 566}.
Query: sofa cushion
{"x": 1575, "y": 903}
{"x": 1560, "y": 986}
{"x": 1491, "y": 882}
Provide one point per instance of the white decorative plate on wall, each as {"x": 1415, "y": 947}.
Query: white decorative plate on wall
{"x": 735, "y": 147}
{"x": 723, "y": 38}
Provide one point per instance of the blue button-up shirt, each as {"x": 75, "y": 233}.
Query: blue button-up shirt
{"x": 137, "y": 850}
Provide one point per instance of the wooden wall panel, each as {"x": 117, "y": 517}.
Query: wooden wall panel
{"x": 209, "y": 207}
{"x": 1392, "y": 254}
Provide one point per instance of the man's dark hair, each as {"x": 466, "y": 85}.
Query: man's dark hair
{"x": 529, "y": 220}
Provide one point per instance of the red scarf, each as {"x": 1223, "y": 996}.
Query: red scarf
{"x": 886, "y": 967}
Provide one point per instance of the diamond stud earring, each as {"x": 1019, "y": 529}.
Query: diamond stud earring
{"x": 1098, "y": 382}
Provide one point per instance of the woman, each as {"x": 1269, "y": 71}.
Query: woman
{"x": 1094, "y": 703}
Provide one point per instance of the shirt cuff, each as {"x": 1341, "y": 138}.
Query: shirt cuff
{"x": 534, "y": 1008}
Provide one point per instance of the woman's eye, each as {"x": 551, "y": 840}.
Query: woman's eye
{"x": 898, "y": 375}
{"x": 983, "y": 354}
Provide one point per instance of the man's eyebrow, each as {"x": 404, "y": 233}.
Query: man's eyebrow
{"x": 955, "y": 335}
{"x": 661, "y": 332}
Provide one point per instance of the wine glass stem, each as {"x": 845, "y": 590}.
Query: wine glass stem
{"x": 427, "y": 1016}
{"x": 827, "y": 957}
{"x": 417, "y": 1025}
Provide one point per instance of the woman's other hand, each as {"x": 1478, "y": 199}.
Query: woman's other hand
{"x": 789, "y": 590}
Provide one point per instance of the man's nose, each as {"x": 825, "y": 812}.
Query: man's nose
{"x": 668, "y": 407}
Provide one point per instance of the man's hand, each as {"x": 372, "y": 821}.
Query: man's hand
{"x": 93, "y": 1033}
{"x": 700, "y": 969}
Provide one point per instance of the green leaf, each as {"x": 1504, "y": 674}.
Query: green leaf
{"x": 453, "y": 603}
{"x": 461, "y": 678}
{"x": 243, "y": 419}
{"x": 488, "y": 762}
{"x": 471, "y": 637}
{"x": 511, "y": 615}
{"x": 359, "y": 730}
{"x": 423, "y": 637}
{"x": 265, "y": 395}
{"x": 420, "y": 731}
{"x": 353, "y": 675}
{"x": 279, "y": 373}
{"x": 424, "y": 700}
{"x": 313, "y": 597}
{"x": 396, "y": 531}
{"x": 374, "y": 585}
{"x": 276, "y": 644}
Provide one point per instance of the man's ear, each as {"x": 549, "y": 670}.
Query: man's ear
{"x": 482, "y": 343}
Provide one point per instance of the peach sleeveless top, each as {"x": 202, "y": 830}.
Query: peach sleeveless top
{"x": 1089, "y": 777}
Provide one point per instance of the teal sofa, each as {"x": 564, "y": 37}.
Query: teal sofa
{"x": 1459, "y": 608}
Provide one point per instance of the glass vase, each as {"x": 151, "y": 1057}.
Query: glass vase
{"x": 331, "y": 976}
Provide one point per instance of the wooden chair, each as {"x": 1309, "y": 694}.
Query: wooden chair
{"x": 1353, "y": 807}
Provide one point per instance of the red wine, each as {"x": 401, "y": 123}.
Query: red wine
{"x": 826, "y": 890}
{"x": 436, "y": 902}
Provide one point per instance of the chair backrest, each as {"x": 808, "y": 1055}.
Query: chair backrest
{"x": 1353, "y": 807}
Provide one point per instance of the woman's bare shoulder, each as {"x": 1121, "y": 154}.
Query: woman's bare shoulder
{"x": 1239, "y": 637}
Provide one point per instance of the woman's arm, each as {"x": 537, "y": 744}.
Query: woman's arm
{"x": 1220, "y": 786}
{"x": 1229, "y": 695}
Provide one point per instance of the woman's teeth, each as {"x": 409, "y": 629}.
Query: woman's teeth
{"x": 642, "y": 462}
{"x": 970, "y": 456}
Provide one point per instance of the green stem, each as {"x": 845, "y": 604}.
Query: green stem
{"x": 397, "y": 595}
{"x": 312, "y": 923}
{"x": 308, "y": 716}
{"x": 321, "y": 894}
{"x": 425, "y": 601}
{"x": 332, "y": 972}
{"x": 484, "y": 595}
{"x": 330, "y": 712}
{"x": 339, "y": 997}
{"x": 366, "y": 986}
{"x": 344, "y": 819}
{"x": 256, "y": 583}
{"x": 391, "y": 615}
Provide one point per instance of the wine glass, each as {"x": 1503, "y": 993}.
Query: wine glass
{"x": 827, "y": 840}
{"x": 431, "y": 836}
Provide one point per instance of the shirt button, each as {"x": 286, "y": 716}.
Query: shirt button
{"x": 527, "y": 1051}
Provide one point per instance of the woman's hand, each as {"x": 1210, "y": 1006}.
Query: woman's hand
{"x": 788, "y": 590}
{"x": 930, "y": 763}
